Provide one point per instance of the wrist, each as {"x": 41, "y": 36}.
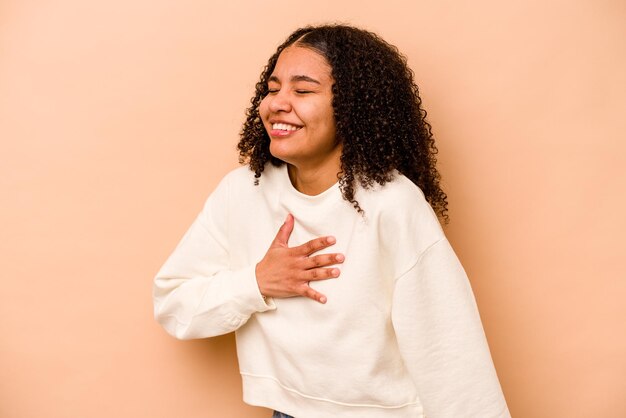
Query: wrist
{"x": 258, "y": 284}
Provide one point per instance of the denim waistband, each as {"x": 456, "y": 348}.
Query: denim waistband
{"x": 280, "y": 415}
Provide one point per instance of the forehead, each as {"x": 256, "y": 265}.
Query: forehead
{"x": 295, "y": 60}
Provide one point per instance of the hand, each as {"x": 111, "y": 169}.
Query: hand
{"x": 284, "y": 272}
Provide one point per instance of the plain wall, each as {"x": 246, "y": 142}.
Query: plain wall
{"x": 118, "y": 118}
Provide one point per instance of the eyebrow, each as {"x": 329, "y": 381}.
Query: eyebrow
{"x": 295, "y": 78}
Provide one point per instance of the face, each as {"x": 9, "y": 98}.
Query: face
{"x": 297, "y": 112}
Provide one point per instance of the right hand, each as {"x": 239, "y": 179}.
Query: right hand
{"x": 285, "y": 272}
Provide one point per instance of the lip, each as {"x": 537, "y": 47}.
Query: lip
{"x": 279, "y": 133}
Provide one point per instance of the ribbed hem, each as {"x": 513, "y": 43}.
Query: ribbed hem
{"x": 269, "y": 393}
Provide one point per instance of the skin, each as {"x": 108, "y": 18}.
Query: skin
{"x": 300, "y": 94}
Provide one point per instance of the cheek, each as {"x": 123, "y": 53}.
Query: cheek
{"x": 263, "y": 108}
{"x": 329, "y": 120}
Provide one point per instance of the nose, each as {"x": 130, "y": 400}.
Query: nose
{"x": 279, "y": 102}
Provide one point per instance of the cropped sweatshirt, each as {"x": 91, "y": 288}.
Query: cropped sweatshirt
{"x": 400, "y": 335}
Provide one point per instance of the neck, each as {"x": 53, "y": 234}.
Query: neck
{"x": 313, "y": 181}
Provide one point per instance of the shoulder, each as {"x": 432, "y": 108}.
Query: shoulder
{"x": 236, "y": 187}
{"x": 405, "y": 221}
{"x": 239, "y": 175}
{"x": 240, "y": 185}
{"x": 235, "y": 180}
{"x": 399, "y": 198}
{"x": 403, "y": 191}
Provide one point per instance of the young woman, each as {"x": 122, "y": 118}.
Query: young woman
{"x": 325, "y": 254}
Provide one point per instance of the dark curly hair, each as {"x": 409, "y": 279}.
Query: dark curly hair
{"x": 378, "y": 114}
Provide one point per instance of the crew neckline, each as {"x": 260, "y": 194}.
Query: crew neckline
{"x": 317, "y": 199}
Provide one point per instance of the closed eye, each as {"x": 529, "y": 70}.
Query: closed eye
{"x": 303, "y": 91}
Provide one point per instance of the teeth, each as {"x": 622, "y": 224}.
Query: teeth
{"x": 284, "y": 127}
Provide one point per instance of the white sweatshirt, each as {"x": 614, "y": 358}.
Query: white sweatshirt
{"x": 400, "y": 335}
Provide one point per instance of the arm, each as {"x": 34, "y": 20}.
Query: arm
{"x": 195, "y": 293}
{"x": 441, "y": 339}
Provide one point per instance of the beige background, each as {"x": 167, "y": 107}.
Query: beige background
{"x": 117, "y": 118}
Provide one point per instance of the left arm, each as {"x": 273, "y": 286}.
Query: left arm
{"x": 442, "y": 341}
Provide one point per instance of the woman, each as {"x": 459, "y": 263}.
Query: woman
{"x": 325, "y": 254}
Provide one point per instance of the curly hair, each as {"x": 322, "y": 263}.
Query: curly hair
{"x": 378, "y": 113}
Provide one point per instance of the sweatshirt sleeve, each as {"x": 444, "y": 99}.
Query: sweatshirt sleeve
{"x": 196, "y": 294}
{"x": 442, "y": 341}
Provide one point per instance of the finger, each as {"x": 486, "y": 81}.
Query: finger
{"x": 311, "y": 293}
{"x": 284, "y": 232}
{"x": 314, "y": 245}
{"x": 323, "y": 260}
{"x": 321, "y": 274}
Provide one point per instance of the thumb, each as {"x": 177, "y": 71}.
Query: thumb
{"x": 282, "y": 237}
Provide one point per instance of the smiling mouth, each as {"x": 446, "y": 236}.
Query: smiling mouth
{"x": 284, "y": 127}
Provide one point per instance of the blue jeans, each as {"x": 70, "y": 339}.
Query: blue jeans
{"x": 280, "y": 415}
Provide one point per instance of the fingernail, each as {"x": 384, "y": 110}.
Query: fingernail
{"x": 323, "y": 299}
{"x": 340, "y": 257}
{"x": 331, "y": 240}
{"x": 335, "y": 272}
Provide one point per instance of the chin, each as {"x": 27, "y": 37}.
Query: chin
{"x": 281, "y": 154}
